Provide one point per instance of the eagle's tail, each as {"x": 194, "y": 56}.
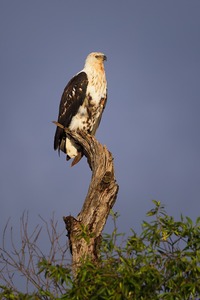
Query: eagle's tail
{"x": 58, "y": 135}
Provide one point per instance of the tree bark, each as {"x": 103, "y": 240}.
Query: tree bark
{"x": 84, "y": 231}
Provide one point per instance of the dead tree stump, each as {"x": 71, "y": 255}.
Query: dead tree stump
{"x": 84, "y": 231}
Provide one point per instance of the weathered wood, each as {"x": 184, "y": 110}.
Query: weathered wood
{"x": 85, "y": 231}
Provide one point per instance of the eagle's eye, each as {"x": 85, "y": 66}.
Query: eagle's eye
{"x": 96, "y": 56}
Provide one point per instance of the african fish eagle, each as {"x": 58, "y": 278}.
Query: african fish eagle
{"x": 82, "y": 104}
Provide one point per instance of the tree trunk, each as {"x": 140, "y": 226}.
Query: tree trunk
{"x": 84, "y": 231}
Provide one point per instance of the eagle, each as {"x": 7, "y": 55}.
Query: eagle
{"x": 82, "y": 104}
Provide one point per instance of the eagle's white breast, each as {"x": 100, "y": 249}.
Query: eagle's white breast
{"x": 92, "y": 107}
{"x": 89, "y": 112}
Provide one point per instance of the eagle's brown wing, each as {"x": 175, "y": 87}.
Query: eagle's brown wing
{"x": 72, "y": 98}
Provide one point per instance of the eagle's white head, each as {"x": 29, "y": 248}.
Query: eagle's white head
{"x": 95, "y": 60}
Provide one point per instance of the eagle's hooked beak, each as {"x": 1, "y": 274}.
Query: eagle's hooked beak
{"x": 104, "y": 57}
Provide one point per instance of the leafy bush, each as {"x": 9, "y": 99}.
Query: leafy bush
{"x": 163, "y": 262}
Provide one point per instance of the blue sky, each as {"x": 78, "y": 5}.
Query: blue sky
{"x": 151, "y": 123}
